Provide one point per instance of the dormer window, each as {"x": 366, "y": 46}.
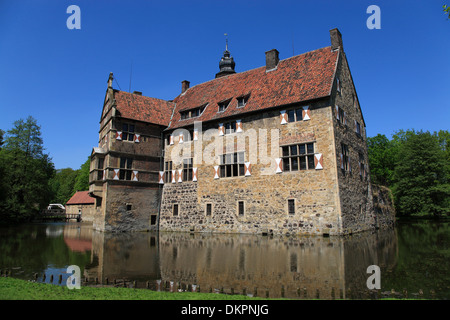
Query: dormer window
{"x": 223, "y": 105}
{"x": 193, "y": 113}
{"x": 242, "y": 101}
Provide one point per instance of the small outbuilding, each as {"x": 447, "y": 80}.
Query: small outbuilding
{"x": 82, "y": 203}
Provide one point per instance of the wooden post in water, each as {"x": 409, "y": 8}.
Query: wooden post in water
{"x": 244, "y": 291}
{"x": 43, "y": 278}
{"x": 51, "y": 279}
{"x": 255, "y": 292}
{"x": 60, "y": 279}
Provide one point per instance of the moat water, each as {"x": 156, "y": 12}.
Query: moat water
{"x": 413, "y": 258}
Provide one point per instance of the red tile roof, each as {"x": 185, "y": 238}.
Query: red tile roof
{"x": 81, "y": 197}
{"x": 300, "y": 78}
{"x": 137, "y": 107}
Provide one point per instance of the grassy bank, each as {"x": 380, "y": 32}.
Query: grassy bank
{"x": 17, "y": 289}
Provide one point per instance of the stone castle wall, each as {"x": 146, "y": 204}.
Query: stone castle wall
{"x": 265, "y": 193}
{"x": 355, "y": 192}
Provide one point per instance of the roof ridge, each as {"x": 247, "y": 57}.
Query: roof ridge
{"x": 134, "y": 95}
{"x": 238, "y": 73}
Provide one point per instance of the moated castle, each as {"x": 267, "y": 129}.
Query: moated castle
{"x": 280, "y": 149}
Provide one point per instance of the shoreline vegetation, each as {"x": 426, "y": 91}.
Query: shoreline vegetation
{"x": 18, "y": 289}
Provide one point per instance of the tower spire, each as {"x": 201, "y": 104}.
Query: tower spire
{"x": 226, "y": 64}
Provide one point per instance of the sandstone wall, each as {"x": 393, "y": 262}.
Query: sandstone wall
{"x": 265, "y": 193}
{"x": 355, "y": 193}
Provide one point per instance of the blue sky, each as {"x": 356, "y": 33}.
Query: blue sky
{"x": 59, "y": 76}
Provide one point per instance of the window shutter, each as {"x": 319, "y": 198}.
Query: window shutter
{"x": 318, "y": 161}
{"x": 161, "y": 177}
{"x": 279, "y": 165}
{"x": 306, "y": 113}
{"x": 181, "y": 137}
{"x": 137, "y": 138}
{"x": 216, "y": 172}
{"x": 195, "y": 137}
{"x": 134, "y": 176}
{"x": 248, "y": 169}
{"x": 342, "y": 160}
{"x": 337, "y": 112}
{"x": 238, "y": 126}
{"x": 221, "y": 129}
{"x": 180, "y": 175}
{"x": 104, "y": 174}
{"x": 119, "y": 135}
{"x": 173, "y": 176}
{"x": 116, "y": 174}
{"x": 283, "y": 117}
{"x": 194, "y": 174}
{"x": 171, "y": 139}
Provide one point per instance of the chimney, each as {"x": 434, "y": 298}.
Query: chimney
{"x": 336, "y": 39}
{"x": 272, "y": 59}
{"x": 184, "y": 86}
{"x": 139, "y": 93}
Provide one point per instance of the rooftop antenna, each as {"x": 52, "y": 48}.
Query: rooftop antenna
{"x": 293, "y": 52}
{"x": 131, "y": 73}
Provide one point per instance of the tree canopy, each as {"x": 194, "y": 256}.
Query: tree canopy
{"x": 26, "y": 171}
{"x": 29, "y": 180}
{"x": 416, "y": 166}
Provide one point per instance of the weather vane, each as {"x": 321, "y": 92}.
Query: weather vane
{"x": 226, "y": 41}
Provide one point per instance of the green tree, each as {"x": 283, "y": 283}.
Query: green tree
{"x": 446, "y": 9}
{"x": 420, "y": 180}
{"x": 382, "y": 157}
{"x": 62, "y": 185}
{"x": 82, "y": 178}
{"x": 26, "y": 171}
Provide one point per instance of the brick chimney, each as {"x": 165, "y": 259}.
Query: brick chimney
{"x": 336, "y": 39}
{"x": 184, "y": 86}
{"x": 272, "y": 59}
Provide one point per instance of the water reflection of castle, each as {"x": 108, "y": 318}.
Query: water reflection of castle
{"x": 244, "y": 261}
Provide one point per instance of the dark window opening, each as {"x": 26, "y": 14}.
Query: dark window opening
{"x": 125, "y": 168}
{"x": 232, "y": 165}
{"x": 153, "y": 222}
{"x": 241, "y": 208}
{"x": 128, "y": 132}
{"x": 187, "y": 169}
{"x": 175, "y": 210}
{"x": 298, "y": 157}
{"x": 168, "y": 171}
{"x": 208, "y": 209}
{"x": 295, "y": 115}
{"x": 291, "y": 206}
{"x": 345, "y": 156}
